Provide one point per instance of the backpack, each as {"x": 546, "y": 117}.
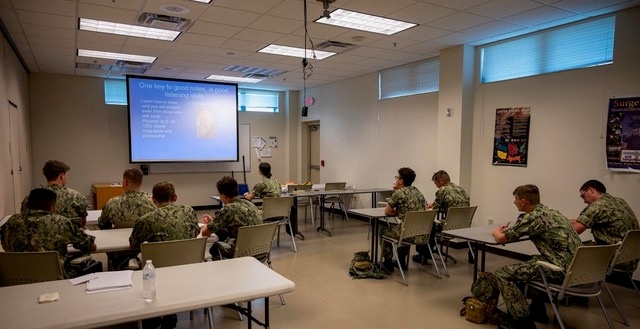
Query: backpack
{"x": 362, "y": 267}
{"x": 482, "y": 306}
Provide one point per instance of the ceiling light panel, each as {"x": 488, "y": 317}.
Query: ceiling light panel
{"x": 295, "y": 52}
{"x": 203, "y": 1}
{"x": 93, "y": 25}
{"x": 365, "y": 22}
{"x": 116, "y": 56}
{"x": 232, "y": 79}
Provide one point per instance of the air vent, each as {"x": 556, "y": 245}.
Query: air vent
{"x": 120, "y": 66}
{"x": 163, "y": 21}
{"x": 254, "y": 72}
{"x": 335, "y": 46}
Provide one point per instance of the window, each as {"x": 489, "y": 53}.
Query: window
{"x": 115, "y": 92}
{"x": 412, "y": 79}
{"x": 250, "y": 100}
{"x": 573, "y": 46}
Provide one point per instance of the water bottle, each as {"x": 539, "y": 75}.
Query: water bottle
{"x": 149, "y": 282}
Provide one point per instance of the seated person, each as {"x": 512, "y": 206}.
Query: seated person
{"x": 608, "y": 217}
{"x": 268, "y": 186}
{"x": 447, "y": 195}
{"x": 404, "y": 198}
{"x": 556, "y": 241}
{"x": 123, "y": 211}
{"x": 70, "y": 203}
{"x": 39, "y": 228}
{"x": 235, "y": 212}
{"x": 167, "y": 222}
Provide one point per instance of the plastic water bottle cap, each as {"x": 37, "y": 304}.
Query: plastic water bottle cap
{"x": 148, "y": 261}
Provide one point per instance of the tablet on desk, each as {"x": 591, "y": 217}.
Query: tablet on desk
{"x": 242, "y": 189}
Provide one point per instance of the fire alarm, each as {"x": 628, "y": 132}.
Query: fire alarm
{"x": 309, "y": 101}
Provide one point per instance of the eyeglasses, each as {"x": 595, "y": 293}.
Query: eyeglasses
{"x": 582, "y": 193}
{"x": 398, "y": 177}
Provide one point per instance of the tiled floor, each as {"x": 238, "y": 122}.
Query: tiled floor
{"x": 327, "y": 297}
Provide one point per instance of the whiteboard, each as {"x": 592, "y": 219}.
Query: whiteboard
{"x": 244, "y": 139}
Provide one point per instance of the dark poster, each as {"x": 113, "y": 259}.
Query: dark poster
{"x": 623, "y": 134}
{"x": 511, "y": 145}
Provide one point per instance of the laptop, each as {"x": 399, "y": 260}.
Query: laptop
{"x": 242, "y": 189}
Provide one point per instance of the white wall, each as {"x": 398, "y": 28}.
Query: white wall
{"x": 71, "y": 123}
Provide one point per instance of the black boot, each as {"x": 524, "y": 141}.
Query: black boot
{"x": 387, "y": 266}
{"x": 538, "y": 311}
{"x": 523, "y": 323}
{"x": 403, "y": 256}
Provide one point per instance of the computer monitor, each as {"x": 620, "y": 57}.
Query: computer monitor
{"x": 242, "y": 189}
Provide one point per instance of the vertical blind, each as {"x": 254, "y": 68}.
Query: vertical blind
{"x": 257, "y": 100}
{"x": 115, "y": 92}
{"x": 578, "y": 45}
{"x": 418, "y": 78}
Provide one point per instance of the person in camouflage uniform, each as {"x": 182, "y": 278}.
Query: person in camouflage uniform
{"x": 39, "y": 228}
{"x": 268, "y": 187}
{"x": 168, "y": 222}
{"x": 555, "y": 239}
{"x": 235, "y": 212}
{"x": 608, "y": 217}
{"x": 448, "y": 195}
{"x": 70, "y": 203}
{"x": 123, "y": 211}
{"x": 404, "y": 198}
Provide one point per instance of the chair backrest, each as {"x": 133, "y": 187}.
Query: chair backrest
{"x": 335, "y": 186}
{"x": 590, "y": 264}
{"x": 29, "y": 267}
{"x": 629, "y": 249}
{"x": 417, "y": 223}
{"x": 172, "y": 253}
{"x": 255, "y": 240}
{"x": 276, "y": 207}
{"x": 459, "y": 217}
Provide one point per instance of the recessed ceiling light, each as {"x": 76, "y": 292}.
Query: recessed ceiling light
{"x": 232, "y": 79}
{"x": 93, "y": 25}
{"x": 295, "y": 52}
{"x": 116, "y": 56}
{"x": 365, "y": 22}
{"x": 203, "y": 1}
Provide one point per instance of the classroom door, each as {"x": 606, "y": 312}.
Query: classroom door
{"x": 15, "y": 154}
{"x": 314, "y": 152}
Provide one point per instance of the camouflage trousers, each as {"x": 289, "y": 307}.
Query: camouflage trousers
{"x": 506, "y": 281}
{"x": 393, "y": 231}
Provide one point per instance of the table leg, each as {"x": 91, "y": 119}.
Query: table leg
{"x": 293, "y": 217}
{"x": 266, "y": 312}
{"x": 322, "y": 227}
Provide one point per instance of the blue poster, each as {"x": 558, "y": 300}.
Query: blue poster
{"x": 623, "y": 134}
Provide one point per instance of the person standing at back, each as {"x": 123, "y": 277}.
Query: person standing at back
{"x": 70, "y": 203}
{"x": 167, "y": 222}
{"x": 268, "y": 187}
{"x": 235, "y": 212}
{"x": 124, "y": 210}
{"x": 448, "y": 195}
{"x": 608, "y": 217}
{"x": 40, "y": 228}
{"x": 404, "y": 198}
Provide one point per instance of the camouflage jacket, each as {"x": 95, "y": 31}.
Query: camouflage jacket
{"x": 267, "y": 188}
{"x": 406, "y": 199}
{"x": 450, "y": 195}
{"x": 124, "y": 210}
{"x": 40, "y": 230}
{"x": 610, "y": 218}
{"x": 237, "y": 213}
{"x": 69, "y": 202}
{"x": 551, "y": 233}
{"x": 166, "y": 223}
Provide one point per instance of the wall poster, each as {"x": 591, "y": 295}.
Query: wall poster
{"x": 623, "y": 134}
{"x": 511, "y": 144}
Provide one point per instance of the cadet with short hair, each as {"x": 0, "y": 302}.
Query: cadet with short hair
{"x": 448, "y": 195}
{"x": 268, "y": 187}
{"x": 39, "y": 228}
{"x": 124, "y": 210}
{"x": 554, "y": 238}
{"x": 608, "y": 217}
{"x": 404, "y": 198}
{"x": 168, "y": 222}
{"x": 235, "y": 212}
{"x": 70, "y": 203}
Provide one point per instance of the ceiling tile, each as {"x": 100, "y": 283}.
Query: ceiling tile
{"x": 110, "y": 14}
{"x": 276, "y": 24}
{"x": 503, "y": 8}
{"x": 200, "y": 39}
{"x": 30, "y": 17}
{"x": 457, "y": 4}
{"x": 459, "y": 21}
{"x": 258, "y": 35}
{"x": 214, "y": 29}
{"x": 422, "y": 13}
{"x": 228, "y": 16}
{"x": 261, "y": 6}
{"x": 538, "y": 16}
{"x": 64, "y": 8}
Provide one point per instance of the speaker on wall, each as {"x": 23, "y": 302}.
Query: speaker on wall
{"x": 305, "y": 111}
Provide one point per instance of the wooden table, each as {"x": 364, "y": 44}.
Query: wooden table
{"x": 102, "y": 192}
{"x": 179, "y": 289}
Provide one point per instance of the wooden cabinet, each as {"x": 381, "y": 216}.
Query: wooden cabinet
{"x": 102, "y": 192}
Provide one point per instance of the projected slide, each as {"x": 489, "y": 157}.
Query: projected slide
{"x": 182, "y": 121}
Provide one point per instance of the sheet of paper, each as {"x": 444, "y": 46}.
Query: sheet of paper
{"x": 83, "y": 279}
{"x": 109, "y": 280}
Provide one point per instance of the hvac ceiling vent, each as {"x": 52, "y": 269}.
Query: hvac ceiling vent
{"x": 254, "y": 72}
{"x": 120, "y": 66}
{"x": 335, "y": 46}
{"x": 163, "y": 21}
